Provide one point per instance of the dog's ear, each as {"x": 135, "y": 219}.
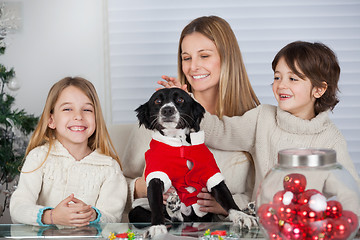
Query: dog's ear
{"x": 143, "y": 115}
{"x": 198, "y": 112}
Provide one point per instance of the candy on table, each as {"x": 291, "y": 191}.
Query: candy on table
{"x": 297, "y": 213}
{"x": 129, "y": 235}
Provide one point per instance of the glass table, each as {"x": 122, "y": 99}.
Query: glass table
{"x": 186, "y": 231}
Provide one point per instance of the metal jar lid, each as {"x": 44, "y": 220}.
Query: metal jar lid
{"x": 306, "y": 157}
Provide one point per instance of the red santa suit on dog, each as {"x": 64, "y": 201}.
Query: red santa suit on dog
{"x": 187, "y": 168}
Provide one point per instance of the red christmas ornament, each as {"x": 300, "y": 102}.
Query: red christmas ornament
{"x": 308, "y": 215}
{"x": 333, "y": 209}
{"x": 274, "y": 235}
{"x": 284, "y": 197}
{"x": 341, "y": 228}
{"x": 293, "y": 231}
{"x": 287, "y": 213}
{"x": 304, "y": 197}
{"x": 316, "y": 230}
{"x": 268, "y": 218}
{"x": 352, "y": 219}
{"x": 295, "y": 183}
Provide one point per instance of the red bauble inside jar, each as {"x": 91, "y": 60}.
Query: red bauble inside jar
{"x": 295, "y": 183}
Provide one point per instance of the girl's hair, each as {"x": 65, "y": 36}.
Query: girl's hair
{"x": 236, "y": 95}
{"x": 319, "y": 64}
{"x": 100, "y": 139}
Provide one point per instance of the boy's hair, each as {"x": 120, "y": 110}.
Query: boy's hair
{"x": 100, "y": 139}
{"x": 319, "y": 64}
{"x": 236, "y": 96}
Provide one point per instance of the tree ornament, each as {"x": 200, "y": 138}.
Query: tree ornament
{"x": 351, "y": 218}
{"x": 295, "y": 183}
{"x": 333, "y": 209}
{"x": 13, "y": 84}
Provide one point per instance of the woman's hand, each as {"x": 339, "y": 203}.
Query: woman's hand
{"x": 208, "y": 203}
{"x": 70, "y": 212}
{"x": 140, "y": 189}
{"x": 171, "y": 82}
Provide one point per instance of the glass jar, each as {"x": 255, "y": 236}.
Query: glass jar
{"x": 308, "y": 195}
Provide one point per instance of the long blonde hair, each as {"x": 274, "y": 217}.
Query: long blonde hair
{"x": 236, "y": 95}
{"x": 100, "y": 139}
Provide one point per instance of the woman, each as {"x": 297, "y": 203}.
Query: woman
{"x": 211, "y": 66}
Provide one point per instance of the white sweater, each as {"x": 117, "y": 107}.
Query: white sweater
{"x": 265, "y": 130}
{"x": 237, "y": 169}
{"x": 97, "y": 180}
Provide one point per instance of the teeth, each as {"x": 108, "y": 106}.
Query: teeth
{"x": 77, "y": 128}
{"x": 200, "y": 76}
{"x": 284, "y": 96}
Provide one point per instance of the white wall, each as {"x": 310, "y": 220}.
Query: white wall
{"x": 57, "y": 38}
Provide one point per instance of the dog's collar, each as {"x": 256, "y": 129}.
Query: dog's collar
{"x": 196, "y": 139}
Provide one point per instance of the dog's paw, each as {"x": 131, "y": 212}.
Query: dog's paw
{"x": 243, "y": 219}
{"x": 157, "y": 230}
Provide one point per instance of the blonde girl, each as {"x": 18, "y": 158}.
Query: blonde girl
{"x": 72, "y": 174}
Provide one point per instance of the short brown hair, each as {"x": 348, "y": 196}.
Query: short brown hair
{"x": 317, "y": 62}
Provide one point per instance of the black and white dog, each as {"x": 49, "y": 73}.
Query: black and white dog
{"x": 178, "y": 157}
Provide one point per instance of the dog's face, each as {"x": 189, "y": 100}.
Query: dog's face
{"x": 170, "y": 108}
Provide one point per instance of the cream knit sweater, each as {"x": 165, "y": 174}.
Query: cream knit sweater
{"x": 265, "y": 130}
{"x": 97, "y": 180}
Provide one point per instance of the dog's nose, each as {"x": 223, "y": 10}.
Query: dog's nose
{"x": 167, "y": 111}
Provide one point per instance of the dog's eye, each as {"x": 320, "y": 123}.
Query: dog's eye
{"x": 179, "y": 100}
{"x": 157, "y": 101}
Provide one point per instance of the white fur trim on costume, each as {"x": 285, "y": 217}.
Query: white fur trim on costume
{"x": 162, "y": 176}
{"x": 186, "y": 210}
{"x": 171, "y": 141}
{"x": 142, "y": 202}
{"x": 197, "y": 211}
{"x": 197, "y": 137}
{"x": 214, "y": 180}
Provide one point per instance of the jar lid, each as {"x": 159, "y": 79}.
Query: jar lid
{"x": 307, "y": 157}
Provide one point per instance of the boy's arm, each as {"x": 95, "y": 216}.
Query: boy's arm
{"x": 231, "y": 133}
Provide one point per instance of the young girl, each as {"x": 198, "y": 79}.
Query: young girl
{"x": 305, "y": 85}
{"x": 72, "y": 175}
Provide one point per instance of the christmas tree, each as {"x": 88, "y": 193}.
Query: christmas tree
{"x": 15, "y": 126}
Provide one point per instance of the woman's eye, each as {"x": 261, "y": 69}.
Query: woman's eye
{"x": 66, "y": 109}
{"x": 157, "y": 101}
{"x": 276, "y": 78}
{"x": 186, "y": 58}
{"x": 179, "y": 100}
{"x": 293, "y": 79}
{"x": 204, "y": 56}
{"x": 88, "y": 110}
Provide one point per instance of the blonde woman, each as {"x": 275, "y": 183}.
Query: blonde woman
{"x": 211, "y": 66}
{"x": 71, "y": 175}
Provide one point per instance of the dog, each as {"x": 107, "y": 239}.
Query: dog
{"x": 178, "y": 157}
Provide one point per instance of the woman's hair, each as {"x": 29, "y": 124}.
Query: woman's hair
{"x": 100, "y": 139}
{"x": 319, "y": 64}
{"x": 236, "y": 95}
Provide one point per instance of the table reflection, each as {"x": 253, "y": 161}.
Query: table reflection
{"x": 103, "y": 231}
